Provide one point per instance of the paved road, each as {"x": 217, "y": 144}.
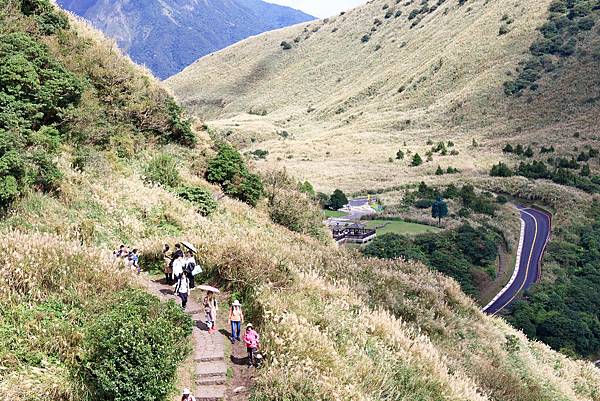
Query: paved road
{"x": 535, "y": 233}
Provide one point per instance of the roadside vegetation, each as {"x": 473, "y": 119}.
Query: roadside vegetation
{"x": 563, "y": 312}
{"x": 461, "y": 253}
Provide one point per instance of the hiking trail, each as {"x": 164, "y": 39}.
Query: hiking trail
{"x": 209, "y": 349}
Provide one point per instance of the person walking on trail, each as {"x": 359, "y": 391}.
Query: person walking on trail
{"x": 252, "y": 341}
{"x": 182, "y": 289}
{"x": 168, "y": 265}
{"x": 210, "y": 308}
{"x": 187, "y": 395}
{"x": 191, "y": 268}
{"x": 178, "y": 262}
{"x": 134, "y": 261}
{"x": 236, "y": 318}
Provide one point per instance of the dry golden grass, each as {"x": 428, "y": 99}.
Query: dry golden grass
{"x": 338, "y": 98}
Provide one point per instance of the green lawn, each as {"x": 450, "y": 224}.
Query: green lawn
{"x": 333, "y": 213}
{"x": 400, "y": 227}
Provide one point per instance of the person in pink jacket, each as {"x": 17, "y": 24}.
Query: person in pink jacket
{"x": 252, "y": 341}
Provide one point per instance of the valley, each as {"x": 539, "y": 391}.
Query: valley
{"x": 445, "y": 114}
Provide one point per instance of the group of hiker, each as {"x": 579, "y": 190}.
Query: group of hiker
{"x": 180, "y": 269}
{"x": 131, "y": 258}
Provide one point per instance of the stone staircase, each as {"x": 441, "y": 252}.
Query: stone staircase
{"x": 211, "y": 368}
{"x": 209, "y": 349}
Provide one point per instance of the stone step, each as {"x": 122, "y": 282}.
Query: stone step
{"x": 210, "y": 393}
{"x": 208, "y": 356}
{"x": 211, "y": 381}
{"x": 211, "y": 369}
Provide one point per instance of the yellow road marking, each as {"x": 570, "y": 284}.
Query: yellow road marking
{"x": 528, "y": 263}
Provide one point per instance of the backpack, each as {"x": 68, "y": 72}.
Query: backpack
{"x": 189, "y": 268}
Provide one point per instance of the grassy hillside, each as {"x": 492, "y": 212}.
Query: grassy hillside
{"x": 332, "y": 328}
{"x": 353, "y": 90}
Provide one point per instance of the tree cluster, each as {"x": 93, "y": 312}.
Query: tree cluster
{"x": 457, "y": 253}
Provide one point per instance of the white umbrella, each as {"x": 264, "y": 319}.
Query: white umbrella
{"x": 189, "y": 246}
{"x": 208, "y": 288}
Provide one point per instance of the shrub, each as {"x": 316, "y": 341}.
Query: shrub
{"x": 400, "y": 155}
{"x": 162, "y": 170}
{"x": 501, "y": 170}
{"x": 132, "y": 351}
{"x": 201, "y": 198}
{"x": 292, "y": 205}
{"x": 365, "y": 38}
{"x": 416, "y": 160}
{"x": 423, "y": 203}
{"x": 501, "y": 199}
{"x": 504, "y": 29}
{"x": 286, "y": 45}
{"x": 179, "y": 128}
{"x": 248, "y": 189}
{"x": 439, "y": 171}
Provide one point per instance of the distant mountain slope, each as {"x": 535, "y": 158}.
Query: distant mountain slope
{"x": 168, "y": 35}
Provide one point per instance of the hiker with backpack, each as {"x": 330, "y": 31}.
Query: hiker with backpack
{"x": 191, "y": 268}
{"x": 210, "y": 308}
{"x": 182, "y": 289}
{"x": 236, "y": 318}
{"x": 252, "y": 341}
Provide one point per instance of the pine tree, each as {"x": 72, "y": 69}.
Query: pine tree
{"x": 417, "y": 161}
{"x": 439, "y": 210}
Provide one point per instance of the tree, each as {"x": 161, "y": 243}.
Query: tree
{"x": 400, "y": 155}
{"x": 416, "y": 161}
{"x": 585, "y": 170}
{"x": 528, "y": 152}
{"x": 439, "y": 209}
{"x": 519, "y": 150}
{"x": 439, "y": 171}
{"x": 337, "y": 200}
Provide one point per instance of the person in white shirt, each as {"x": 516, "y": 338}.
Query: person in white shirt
{"x": 182, "y": 289}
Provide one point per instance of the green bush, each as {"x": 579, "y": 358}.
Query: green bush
{"x": 501, "y": 170}
{"x": 162, "y": 169}
{"x": 49, "y": 19}
{"x": 229, "y": 170}
{"x": 180, "y": 128}
{"x": 201, "y": 198}
{"x": 131, "y": 352}
{"x": 35, "y": 90}
{"x": 226, "y": 165}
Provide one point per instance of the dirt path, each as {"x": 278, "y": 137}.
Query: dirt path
{"x": 220, "y": 369}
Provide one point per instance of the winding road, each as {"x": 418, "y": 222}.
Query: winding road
{"x": 535, "y": 233}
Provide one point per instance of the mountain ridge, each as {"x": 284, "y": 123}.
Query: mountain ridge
{"x": 167, "y": 35}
